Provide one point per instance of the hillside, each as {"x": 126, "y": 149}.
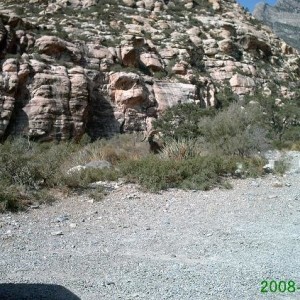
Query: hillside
{"x": 104, "y": 67}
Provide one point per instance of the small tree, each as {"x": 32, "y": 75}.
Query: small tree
{"x": 235, "y": 130}
{"x": 181, "y": 121}
{"x": 281, "y": 118}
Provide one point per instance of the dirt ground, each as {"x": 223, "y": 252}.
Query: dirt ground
{"x": 219, "y": 244}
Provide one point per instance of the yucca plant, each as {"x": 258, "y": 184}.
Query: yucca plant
{"x": 181, "y": 149}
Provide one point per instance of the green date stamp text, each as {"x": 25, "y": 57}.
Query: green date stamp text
{"x": 273, "y": 286}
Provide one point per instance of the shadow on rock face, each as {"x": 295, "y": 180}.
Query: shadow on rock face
{"x": 23, "y": 291}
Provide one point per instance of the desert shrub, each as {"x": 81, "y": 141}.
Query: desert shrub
{"x": 235, "y": 131}
{"x": 32, "y": 165}
{"x": 181, "y": 121}
{"x": 159, "y": 75}
{"x": 280, "y": 118}
{"x": 11, "y": 199}
{"x": 14, "y": 198}
{"x": 231, "y": 131}
{"x": 204, "y": 4}
{"x": 281, "y": 166}
{"x": 226, "y": 97}
{"x": 98, "y": 193}
{"x": 201, "y": 172}
{"x": 28, "y": 170}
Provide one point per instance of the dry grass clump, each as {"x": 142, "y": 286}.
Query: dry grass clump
{"x": 114, "y": 150}
{"x": 181, "y": 149}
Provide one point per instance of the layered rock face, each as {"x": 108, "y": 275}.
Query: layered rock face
{"x": 283, "y": 18}
{"x": 105, "y": 67}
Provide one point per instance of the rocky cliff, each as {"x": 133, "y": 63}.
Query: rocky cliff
{"x": 103, "y": 67}
{"x": 283, "y": 18}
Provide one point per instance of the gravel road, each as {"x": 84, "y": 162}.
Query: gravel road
{"x": 176, "y": 244}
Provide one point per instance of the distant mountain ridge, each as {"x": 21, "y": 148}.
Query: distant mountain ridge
{"x": 283, "y": 18}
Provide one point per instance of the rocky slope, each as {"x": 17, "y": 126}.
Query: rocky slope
{"x": 283, "y": 18}
{"x": 103, "y": 67}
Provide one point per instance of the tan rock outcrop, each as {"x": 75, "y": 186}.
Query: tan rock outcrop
{"x": 215, "y": 4}
{"x": 168, "y": 94}
{"x": 7, "y": 104}
{"x": 151, "y": 61}
{"x": 128, "y": 2}
{"x": 241, "y": 84}
{"x": 78, "y": 100}
{"x": 127, "y": 90}
{"x": 96, "y": 51}
{"x": 180, "y": 68}
{"x": 253, "y": 43}
{"x": 54, "y": 46}
{"x": 129, "y": 56}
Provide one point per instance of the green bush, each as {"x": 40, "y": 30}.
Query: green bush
{"x": 118, "y": 148}
{"x": 225, "y": 96}
{"x": 98, "y": 194}
{"x": 11, "y": 199}
{"x": 281, "y": 166}
{"x": 282, "y": 119}
{"x": 202, "y": 173}
{"x": 33, "y": 165}
{"x": 235, "y": 131}
{"x": 231, "y": 131}
{"x": 15, "y": 198}
{"x": 28, "y": 170}
{"x": 182, "y": 121}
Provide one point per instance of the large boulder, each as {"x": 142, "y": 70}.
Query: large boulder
{"x": 242, "y": 85}
{"x": 127, "y": 89}
{"x": 151, "y": 60}
{"x": 168, "y": 94}
{"x": 56, "y": 47}
{"x": 252, "y": 43}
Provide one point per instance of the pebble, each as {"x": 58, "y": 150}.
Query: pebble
{"x": 133, "y": 196}
{"x": 255, "y": 183}
{"x": 8, "y": 232}
{"x": 35, "y": 206}
{"x": 106, "y": 283}
{"x": 277, "y": 184}
{"x": 62, "y": 218}
{"x": 56, "y": 233}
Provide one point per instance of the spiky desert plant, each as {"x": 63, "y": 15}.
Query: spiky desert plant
{"x": 181, "y": 149}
